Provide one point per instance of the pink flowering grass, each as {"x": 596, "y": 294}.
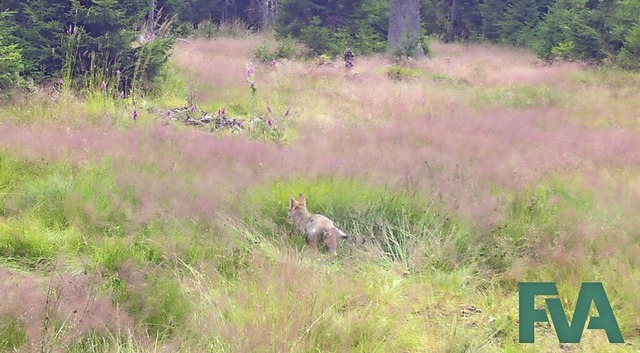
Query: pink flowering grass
{"x": 219, "y": 66}
{"x": 510, "y": 126}
{"x": 58, "y": 311}
{"x": 492, "y": 65}
{"x": 460, "y": 158}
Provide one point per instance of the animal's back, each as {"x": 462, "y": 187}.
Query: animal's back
{"x": 317, "y": 224}
{"x": 316, "y": 230}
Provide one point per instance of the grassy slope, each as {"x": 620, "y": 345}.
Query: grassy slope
{"x": 477, "y": 169}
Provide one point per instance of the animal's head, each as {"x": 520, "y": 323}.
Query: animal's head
{"x": 295, "y": 206}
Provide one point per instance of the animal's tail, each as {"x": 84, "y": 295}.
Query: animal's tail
{"x": 342, "y": 234}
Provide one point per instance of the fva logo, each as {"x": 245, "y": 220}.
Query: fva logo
{"x": 590, "y": 292}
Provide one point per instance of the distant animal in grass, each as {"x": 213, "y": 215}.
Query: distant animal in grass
{"x": 317, "y": 228}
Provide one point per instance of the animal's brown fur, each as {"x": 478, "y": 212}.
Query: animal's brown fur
{"x": 316, "y": 227}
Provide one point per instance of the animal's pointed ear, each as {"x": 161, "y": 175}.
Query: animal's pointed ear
{"x": 292, "y": 202}
{"x": 301, "y": 200}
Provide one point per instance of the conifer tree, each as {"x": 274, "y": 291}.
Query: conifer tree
{"x": 87, "y": 38}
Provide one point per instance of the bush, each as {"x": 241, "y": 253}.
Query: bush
{"x": 86, "y": 39}
{"x": 565, "y": 35}
{"x": 318, "y": 39}
{"x": 264, "y": 53}
{"x": 10, "y": 66}
{"x": 586, "y": 30}
{"x": 630, "y": 52}
{"x": 11, "y": 62}
{"x": 285, "y": 49}
{"x": 334, "y": 26}
{"x": 151, "y": 58}
{"x": 563, "y": 50}
{"x": 400, "y": 72}
{"x": 227, "y": 29}
{"x": 411, "y": 47}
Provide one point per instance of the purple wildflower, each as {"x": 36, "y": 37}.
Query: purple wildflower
{"x": 269, "y": 109}
{"x": 121, "y": 94}
{"x": 135, "y": 115}
{"x": 287, "y": 112}
{"x": 270, "y": 122}
{"x": 192, "y": 108}
{"x": 118, "y": 72}
{"x": 250, "y": 70}
{"x": 60, "y": 82}
{"x": 103, "y": 86}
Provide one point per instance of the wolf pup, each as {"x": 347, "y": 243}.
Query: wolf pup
{"x": 316, "y": 227}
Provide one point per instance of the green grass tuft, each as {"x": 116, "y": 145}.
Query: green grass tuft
{"x": 13, "y": 334}
{"x": 402, "y": 226}
{"x": 63, "y": 197}
{"x": 516, "y": 96}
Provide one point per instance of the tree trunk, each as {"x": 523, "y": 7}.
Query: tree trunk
{"x": 452, "y": 21}
{"x": 151, "y": 16}
{"x": 404, "y": 24}
{"x": 267, "y": 13}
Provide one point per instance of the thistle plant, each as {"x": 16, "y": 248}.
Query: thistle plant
{"x": 270, "y": 127}
{"x": 252, "y": 84}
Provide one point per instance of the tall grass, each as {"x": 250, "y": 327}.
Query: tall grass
{"x": 480, "y": 169}
{"x": 398, "y": 227}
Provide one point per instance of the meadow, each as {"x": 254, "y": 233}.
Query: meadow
{"x": 456, "y": 176}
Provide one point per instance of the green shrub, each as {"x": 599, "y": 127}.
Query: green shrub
{"x": 563, "y": 50}
{"x": 206, "y": 29}
{"x": 571, "y": 30}
{"x": 10, "y": 66}
{"x": 151, "y": 57}
{"x": 11, "y": 61}
{"x": 318, "y": 39}
{"x": 264, "y": 53}
{"x": 630, "y": 52}
{"x": 78, "y": 39}
{"x": 285, "y": 49}
{"x": 330, "y": 29}
{"x": 235, "y": 28}
{"x": 411, "y": 47}
{"x": 401, "y": 72}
